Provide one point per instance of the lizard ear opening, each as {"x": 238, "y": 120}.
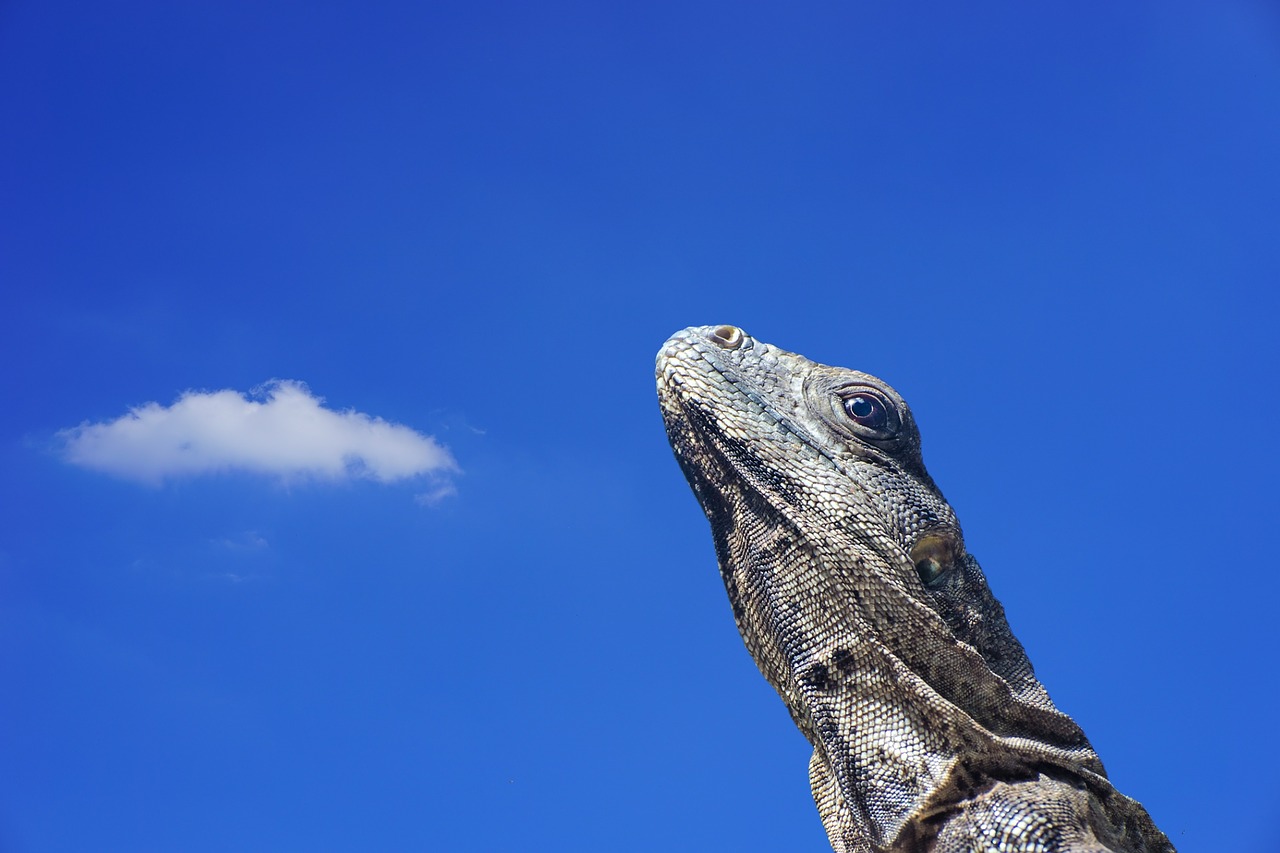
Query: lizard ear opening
{"x": 934, "y": 555}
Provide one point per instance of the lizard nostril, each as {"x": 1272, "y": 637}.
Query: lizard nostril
{"x": 727, "y": 336}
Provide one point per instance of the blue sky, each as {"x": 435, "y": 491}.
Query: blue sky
{"x": 392, "y": 553}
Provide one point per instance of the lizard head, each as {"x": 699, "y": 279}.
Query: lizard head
{"x": 850, "y": 582}
{"x": 757, "y": 418}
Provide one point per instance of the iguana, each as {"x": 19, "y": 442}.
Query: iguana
{"x": 851, "y": 586}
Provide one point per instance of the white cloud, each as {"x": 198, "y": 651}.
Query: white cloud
{"x": 279, "y": 430}
{"x": 249, "y": 540}
{"x": 438, "y": 492}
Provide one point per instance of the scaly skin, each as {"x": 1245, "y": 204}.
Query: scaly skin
{"x": 850, "y": 583}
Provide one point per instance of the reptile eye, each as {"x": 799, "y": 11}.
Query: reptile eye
{"x": 867, "y": 410}
{"x": 862, "y": 410}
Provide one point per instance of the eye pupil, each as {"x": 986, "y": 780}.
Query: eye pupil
{"x": 867, "y": 411}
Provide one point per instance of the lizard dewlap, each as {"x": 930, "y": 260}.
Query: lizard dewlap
{"x": 851, "y": 586}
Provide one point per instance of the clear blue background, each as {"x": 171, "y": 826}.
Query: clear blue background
{"x": 1053, "y": 227}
